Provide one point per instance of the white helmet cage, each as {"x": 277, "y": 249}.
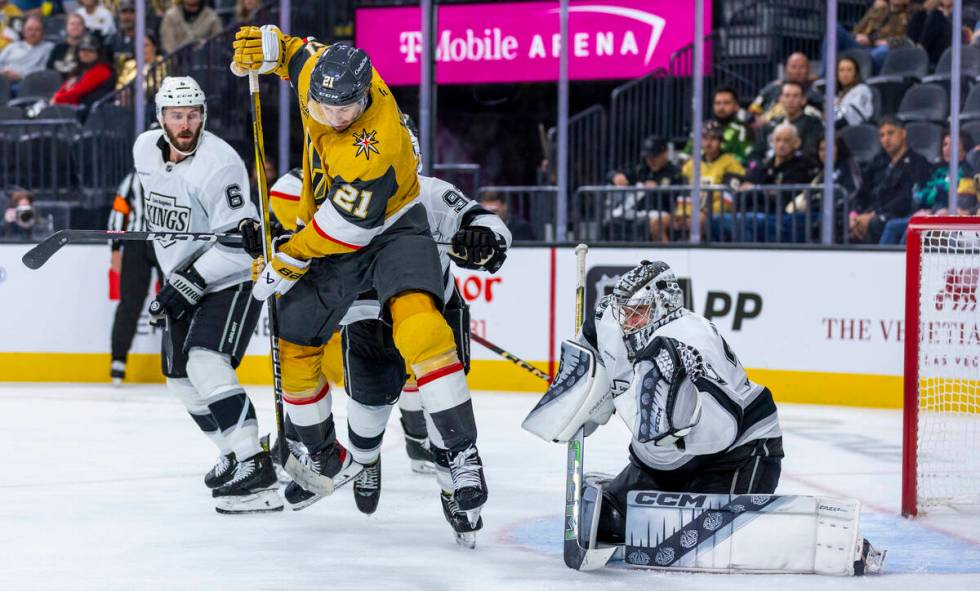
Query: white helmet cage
{"x": 180, "y": 91}
{"x": 646, "y": 296}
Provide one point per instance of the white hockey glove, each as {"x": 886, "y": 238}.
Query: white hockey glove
{"x": 182, "y": 292}
{"x": 579, "y": 397}
{"x": 663, "y": 404}
{"x": 278, "y": 276}
{"x": 257, "y": 48}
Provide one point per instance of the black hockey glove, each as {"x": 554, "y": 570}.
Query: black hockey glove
{"x": 181, "y": 293}
{"x": 251, "y": 237}
{"x": 478, "y": 247}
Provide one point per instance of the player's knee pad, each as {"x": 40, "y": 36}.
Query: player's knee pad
{"x": 421, "y": 333}
{"x": 211, "y": 372}
{"x": 301, "y": 369}
{"x": 188, "y": 395}
{"x": 374, "y": 374}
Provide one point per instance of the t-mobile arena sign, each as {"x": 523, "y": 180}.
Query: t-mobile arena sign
{"x": 519, "y": 41}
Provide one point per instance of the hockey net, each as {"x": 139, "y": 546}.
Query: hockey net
{"x": 941, "y": 458}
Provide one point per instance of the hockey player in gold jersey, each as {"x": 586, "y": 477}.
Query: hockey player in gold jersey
{"x": 363, "y": 229}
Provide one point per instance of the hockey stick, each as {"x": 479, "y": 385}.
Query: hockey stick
{"x": 511, "y": 357}
{"x": 37, "y": 256}
{"x": 301, "y": 473}
{"x": 576, "y": 556}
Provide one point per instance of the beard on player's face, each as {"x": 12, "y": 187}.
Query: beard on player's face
{"x": 184, "y": 139}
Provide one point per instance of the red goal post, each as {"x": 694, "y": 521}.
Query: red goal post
{"x": 941, "y": 422}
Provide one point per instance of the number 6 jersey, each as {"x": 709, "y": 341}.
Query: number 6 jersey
{"x": 205, "y": 192}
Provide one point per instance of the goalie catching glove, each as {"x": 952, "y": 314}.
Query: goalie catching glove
{"x": 182, "y": 292}
{"x": 479, "y": 248}
{"x": 578, "y": 398}
{"x": 663, "y": 404}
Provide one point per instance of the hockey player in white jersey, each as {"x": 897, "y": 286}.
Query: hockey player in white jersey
{"x": 697, "y": 422}
{"x": 193, "y": 181}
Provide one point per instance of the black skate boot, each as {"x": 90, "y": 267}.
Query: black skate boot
{"x": 420, "y": 454}
{"x": 296, "y": 448}
{"x": 222, "y": 472}
{"x": 367, "y": 488}
{"x": 117, "y": 372}
{"x": 252, "y": 489}
{"x": 466, "y": 469}
{"x": 333, "y": 462}
{"x": 460, "y": 521}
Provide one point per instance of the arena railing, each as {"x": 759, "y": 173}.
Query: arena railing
{"x": 465, "y": 176}
{"x": 587, "y": 152}
{"x": 535, "y": 205}
{"x": 776, "y": 214}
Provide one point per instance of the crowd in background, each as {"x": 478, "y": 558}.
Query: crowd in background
{"x": 777, "y": 139}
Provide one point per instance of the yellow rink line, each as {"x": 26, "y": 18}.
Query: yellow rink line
{"x": 839, "y": 389}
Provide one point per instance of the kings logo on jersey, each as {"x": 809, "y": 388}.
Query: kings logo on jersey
{"x": 164, "y": 215}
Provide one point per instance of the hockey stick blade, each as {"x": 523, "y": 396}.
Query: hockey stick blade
{"x": 576, "y": 556}
{"x": 36, "y": 257}
{"x": 307, "y": 478}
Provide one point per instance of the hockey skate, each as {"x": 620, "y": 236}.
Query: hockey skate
{"x": 295, "y": 447}
{"x": 461, "y": 521}
{"x": 466, "y": 470}
{"x": 222, "y": 472}
{"x": 252, "y": 489}
{"x": 420, "y": 454}
{"x": 367, "y": 488}
{"x": 333, "y": 462}
{"x": 117, "y": 372}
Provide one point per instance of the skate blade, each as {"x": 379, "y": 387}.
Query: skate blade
{"x": 466, "y": 540}
{"x": 473, "y": 516}
{"x": 265, "y": 501}
{"x": 423, "y": 467}
{"x": 281, "y": 476}
{"x": 116, "y": 382}
{"x": 304, "y": 504}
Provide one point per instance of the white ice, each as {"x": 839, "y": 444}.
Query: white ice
{"x": 102, "y": 489}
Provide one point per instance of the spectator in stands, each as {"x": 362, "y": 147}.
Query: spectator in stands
{"x": 654, "y": 170}
{"x": 30, "y": 55}
{"x": 788, "y": 164}
{"x": 19, "y": 217}
{"x": 189, "y": 21}
{"x": 884, "y": 26}
{"x": 766, "y": 106}
{"x": 854, "y": 103}
{"x": 8, "y": 12}
{"x": 98, "y": 18}
{"x": 932, "y": 197}
{"x": 63, "y": 57}
{"x": 717, "y": 168}
{"x": 519, "y": 229}
{"x": 887, "y": 184}
{"x": 736, "y": 136}
{"x": 92, "y": 80}
{"x": 152, "y": 65}
{"x": 120, "y": 43}
{"x": 246, "y": 10}
{"x": 792, "y": 101}
{"x": 932, "y": 28}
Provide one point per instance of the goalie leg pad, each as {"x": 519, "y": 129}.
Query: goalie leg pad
{"x": 743, "y": 533}
{"x": 578, "y": 397}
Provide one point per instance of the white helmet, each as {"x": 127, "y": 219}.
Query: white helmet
{"x": 180, "y": 91}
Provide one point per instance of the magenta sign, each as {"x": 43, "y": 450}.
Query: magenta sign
{"x": 519, "y": 41}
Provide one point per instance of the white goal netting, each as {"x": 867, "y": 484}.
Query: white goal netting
{"x": 948, "y": 435}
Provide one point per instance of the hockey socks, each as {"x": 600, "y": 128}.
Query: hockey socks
{"x": 311, "y": 416}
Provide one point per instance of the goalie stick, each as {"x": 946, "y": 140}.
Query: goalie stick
{"x": 37, "y": 256}
{"x": 510, "y": 357}
{"x": 576, "y": 556}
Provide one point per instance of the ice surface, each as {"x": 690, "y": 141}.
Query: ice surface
{"x": 102, "y": 489}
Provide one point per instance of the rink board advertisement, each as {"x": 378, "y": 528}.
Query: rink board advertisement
{"x": 519, "y": 41}
{"x": 814, "y": 326}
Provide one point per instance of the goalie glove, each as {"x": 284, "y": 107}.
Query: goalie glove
{"x": 182, "y": 292}
{"x": 479, "y": 248}
{"x": 578, "y": 398}
{"x": 663, "y": 404}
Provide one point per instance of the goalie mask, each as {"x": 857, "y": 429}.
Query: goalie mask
{"x": 644, "y": 299}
